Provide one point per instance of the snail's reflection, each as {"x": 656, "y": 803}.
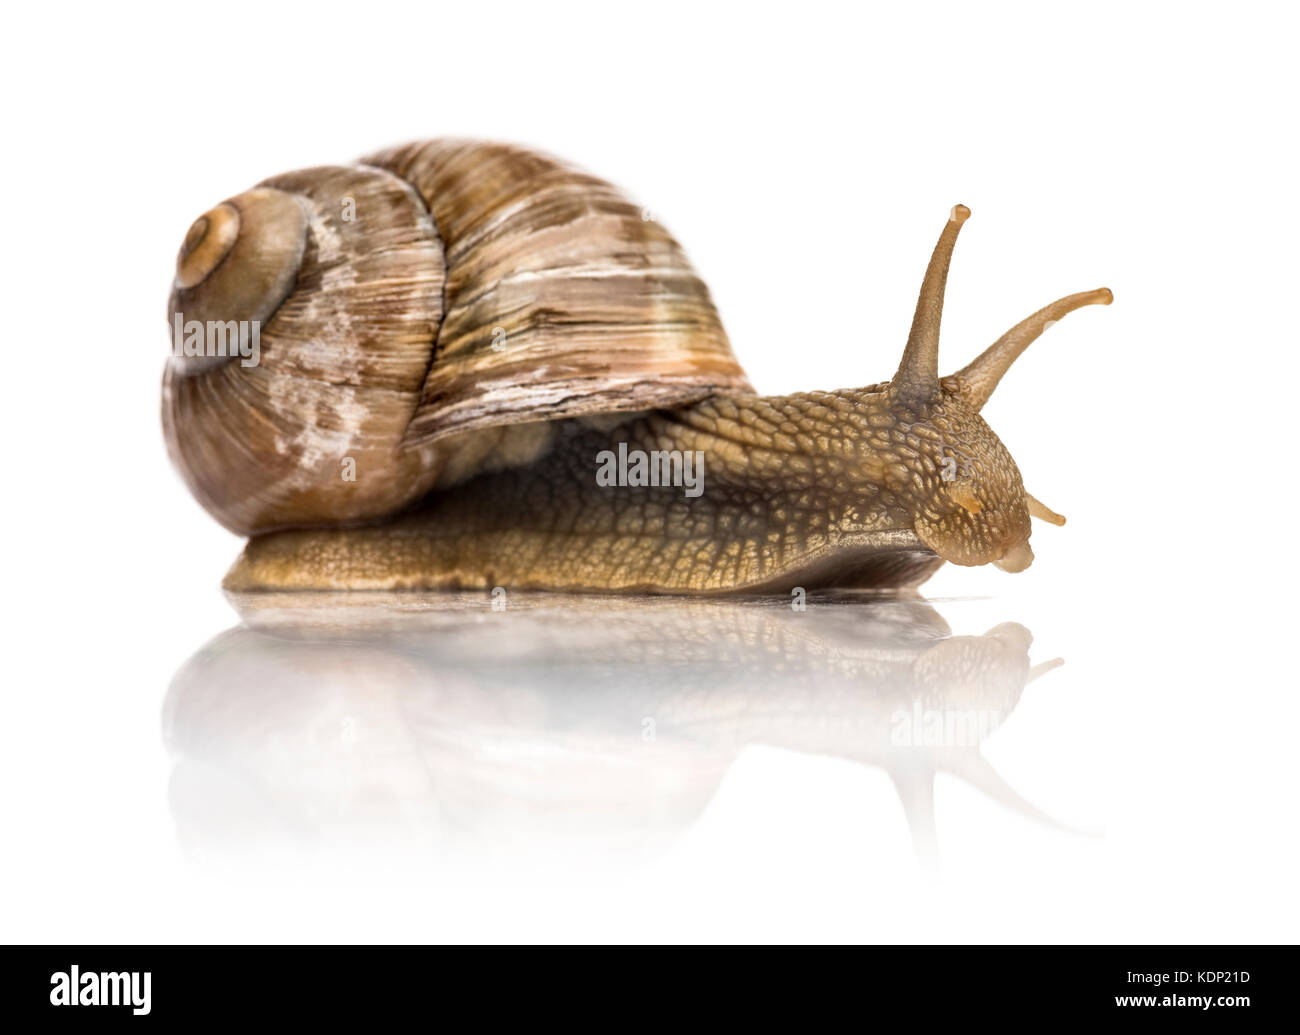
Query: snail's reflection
{"x": 587, "y": 727}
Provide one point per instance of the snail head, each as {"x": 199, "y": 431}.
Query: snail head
{"x": 964, "y": 491}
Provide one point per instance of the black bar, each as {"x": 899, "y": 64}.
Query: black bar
{"x": 609, "y": 987}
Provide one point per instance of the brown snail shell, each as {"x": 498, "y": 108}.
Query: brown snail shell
{"x": 433, "y": 290}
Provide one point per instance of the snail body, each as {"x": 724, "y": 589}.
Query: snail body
{"x": 459, "y": 344}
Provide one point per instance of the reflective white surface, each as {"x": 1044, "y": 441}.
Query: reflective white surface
{"x": 575, "y": 768}
{"x": 564, "y": 732}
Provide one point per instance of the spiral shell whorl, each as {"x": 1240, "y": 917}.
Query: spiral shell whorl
{"x": 562, "y": 298}
{"x": 208, "y": 241}
{"x": 343, "y": 355}
{"x": 238, "y": 262}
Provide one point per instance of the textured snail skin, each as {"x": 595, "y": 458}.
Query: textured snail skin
{"x": 478, "y": 464}
{"x": 809, "y": 490}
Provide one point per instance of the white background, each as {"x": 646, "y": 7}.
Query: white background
{"x": 806, "y": 156}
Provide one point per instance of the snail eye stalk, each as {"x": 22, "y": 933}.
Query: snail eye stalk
{"x": 978, "y": 378}
{"x": 918, "y": 373}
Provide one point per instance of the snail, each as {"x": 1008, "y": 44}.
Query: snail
{"x": 465, "y": 365}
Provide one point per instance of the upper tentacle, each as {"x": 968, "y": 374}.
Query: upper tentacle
{"x": 976, "y": 381}
{"x": 918, "y": 373}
